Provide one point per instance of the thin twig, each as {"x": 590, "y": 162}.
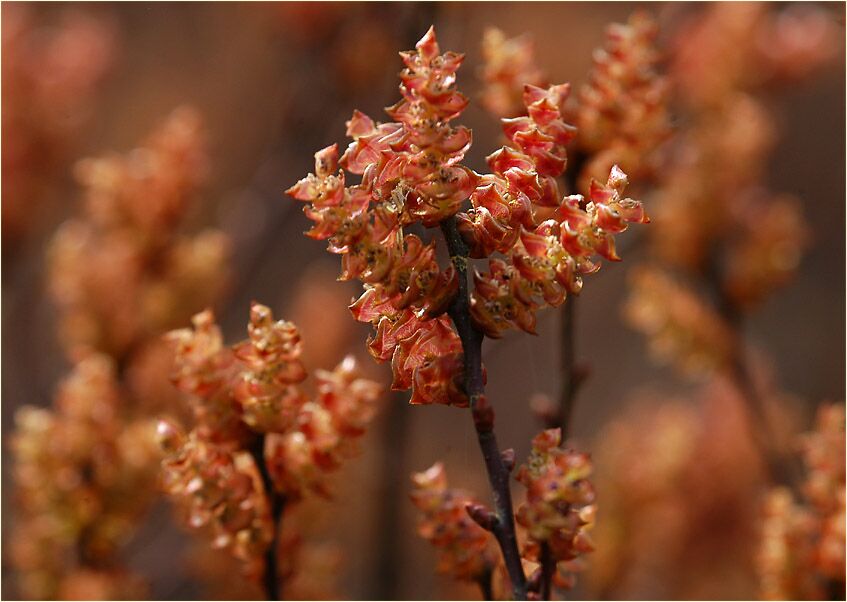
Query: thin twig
{"x": 486, "y": 586}
{"x": 779, "y": 466}
{"x": 483, "y": 415}
{"x": 272, "y": 582}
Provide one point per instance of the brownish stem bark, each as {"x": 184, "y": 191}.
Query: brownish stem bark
{"x": 271, "y": 583}
{"x": 483, "y": 416}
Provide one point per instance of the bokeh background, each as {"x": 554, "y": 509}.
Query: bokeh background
{"x": 274, "y": 83}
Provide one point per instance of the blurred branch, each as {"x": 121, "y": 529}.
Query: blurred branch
{"x": 272, "y": 582}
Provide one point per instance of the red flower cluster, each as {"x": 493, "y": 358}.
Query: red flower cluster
{"x": 219, "y": 489}
{"x": 559, "y": 508}
{"x": 252, "y": 394}
{"x": 411, "y": 173}
{"x": 464, "y": 548}
{"x": 548, "y": 262}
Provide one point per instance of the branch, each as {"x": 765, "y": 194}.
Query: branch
{"x": 483, "y": 415}
{"x": 780, "y": 467}
{"x": 272, "y": 582}
{"x": 485, "y": 585}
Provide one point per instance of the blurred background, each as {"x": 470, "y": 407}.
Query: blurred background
{"x": 273, "y": 83}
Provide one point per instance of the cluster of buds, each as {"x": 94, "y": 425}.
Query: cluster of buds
{"x": 559, "y": 509}
{"x": 124, "y": 272}
{"x": 83, "y": 476}
{"x": 464, "y": 547}
{"x": 508, "y": 65}
{"x": 411, "y": 174}
{"x": 51, "y": 72}
{"x": 801, "y": 553}
{"x": 622, "y": 114}
{"x": 680, "y": 326}
{"x": 258, "y": 434}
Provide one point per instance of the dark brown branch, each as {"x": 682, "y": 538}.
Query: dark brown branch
{"x": 272, "y": 583}
{"x": 485, "y": 584}
{"x": 483, "y": 414}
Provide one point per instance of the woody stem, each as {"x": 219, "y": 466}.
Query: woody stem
{"x": 272, "y": 583}
{"x": 483, "y": 416}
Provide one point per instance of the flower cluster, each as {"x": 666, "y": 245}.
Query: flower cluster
{"x": 679, "y": 477}
{"x": 218, "y": 489}
{"x": 714, "y": 214}
{"x": 83, "y": 479}
{"x": 559, "y": 508}
{"x": 258, "y": 434}
{"x": 124, "y": 272}
{"x": 51, "y": 72}
{"x": 728, "y": 47}
{"x": 622, "y": 114}
{"x": 464, "y": 547}
{"x": 681, "y": 328}
{"x": 411, "y": 174}
{"x": 548, "y": 261}
{"x": 801, "y": 553}
{"x": 508, "y": 65}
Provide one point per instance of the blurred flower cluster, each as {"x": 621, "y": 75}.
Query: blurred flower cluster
{"x": 118, "y": 275}
{"x": 508, "y": 65}
{"x": 801, "y": 554}
{"x": 716, "y": 220}
{"x": 623, "y": 116}
{"x": 125, "y": 270}
{"x": 51, "y": 72}
{"x": 258, "y": 440}
{"x": 681, "y": 478}
{"x": 84, "y": 476}
{"x": 465, "y": 550}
